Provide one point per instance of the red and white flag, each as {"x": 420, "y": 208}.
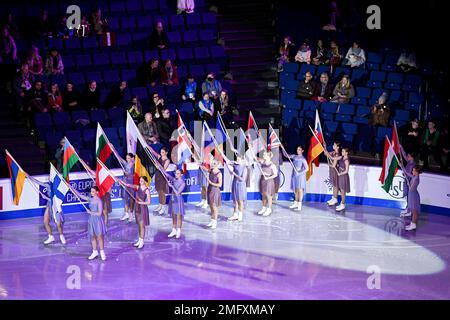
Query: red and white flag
{"x": 103, "y": 178}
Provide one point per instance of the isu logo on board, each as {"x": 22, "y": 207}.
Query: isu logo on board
{"x": 398, "y": 187}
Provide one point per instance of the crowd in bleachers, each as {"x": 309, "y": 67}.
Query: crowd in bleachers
{"x": 140, "y": 56}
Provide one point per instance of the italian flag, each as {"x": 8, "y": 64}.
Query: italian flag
{"x": 70, "y": 158}
{"x": 102, "y": 147}
{"x": 390, "y": 166}
{"x": 103, "y": 178}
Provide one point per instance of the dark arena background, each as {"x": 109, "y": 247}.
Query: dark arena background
{"x": 336, "y": 188}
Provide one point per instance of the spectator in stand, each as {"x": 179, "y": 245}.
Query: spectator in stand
{"x": 206, "y": 108}
{"x": 169, "y": 74}
{"x": 344, "y": 91}
{"x": 135, "y": 110}
{"x": 148, "y": 129}
{"x": 21, "y": 85}
{"x": 91, "y": 98}
{"x": 84, "y": 29}
{"x": 158, "y": 38}
{"x": 71, "y": 98}
{"x": 355, "y": 56}
{"x": 187, "y": 6}
{"x": 166, "y": 126}
{"x": 333, "y": 17}
{"x": 410, "y": 135}
{"x": 116, "y": 95}
{"x": 286, "y": 52}
{"x": 54, "y": 64}
{"x": 8, "y": 50}
{"x": 407, "y": 61}
{"x": 380, "y": 112}
{"x": 156, "y": 105}
{"x": 43, "y": 27}
{"x": 334, "y": 56}
{"x": 223, "y": 107}
{"x": 59, "y": 156}
{"x": 430, "y": 145}
{"x": 323, "y": 91}
{"x": 55, "y": 100}
{"x": 35, "y": 62}
{"x": 36, "y": 103}
{"x": 211, "y": 86}
{"x": 62, "y": 30}
{"x": 303, "y": 54}
{"x": 319, "y": 54}
{"x": 189, "y": 91}
{"x": 98, "y": 22}
{"x": 10, "y": 24}
{"x": 306, "y": 87}
{"x": 153, "y": 73}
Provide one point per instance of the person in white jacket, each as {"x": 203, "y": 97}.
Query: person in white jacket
{"x": 355, "y": 56}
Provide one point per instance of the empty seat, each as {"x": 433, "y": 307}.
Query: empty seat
{"x": 359, "y": 75}
{"x": 134, "y": 6}
{"x": 329, "y": 107}
{"x": 309, "y": 105}
{"x": 209, "y": 19}
{"x": 151, "y": 54}
{"x": 374, "y": 57}
{"x": 150, "y": 5}
{"x": 341, "y": 71}
{"x": 206, "y": 36}
{"x": 135, "y": 58}
{"x": 363, "y": 92}
{"x": 288, "y": 115}
{"x": 123, "y": 40}
{"x": 111, "y": 76}
{"x": 118, "y": 58}
{"x": 294, "y": 104}
{"x": 349, "y": 128}
{"x": 193, "y": 21}
{"x": 383, "y": 132}
{"x": 89, "y": 43}
{"x": 84, "y": 60}
{"x": 395, "y": 77}
{"x": 401, "y": 115}
{"x": 348, "y": 109}
{"x": 94, "y": 75}
{"x": 141, "y": 92}
{"x": 72, "y": 44}
{"x": 77, "y": 78}
{"x": 214, "y": 68}
{"x": 201, "y": 54}
{"x": 168, "y": 54}
{"x": 56, "y": 43}
{"x": 111, "y": 133}
{"x": 331, "y": 126}
{"x": 114, "y": 23}
{"x": 99, "y": 116}
{"x": 43, "y": 122}
{"x": 128, "y": 74}
{"x": 185, "y": 55}
{"x": 128, "y": 23}
{"x": 198, "y": 71}
{"x": 101, "y": 60}
{"x": 176, "y": 22}
{"x": 378, "y": 76}
{"x": 89, "y": 136}
{"x": 144, "y": 22}
{"x": 117, "y": 6}
{"x": 190, "y": 37}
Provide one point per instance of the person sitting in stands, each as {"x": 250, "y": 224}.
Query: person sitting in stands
{"x": 355, "y": 56}
{"x": 410, "y": 136}
{"x": 91, "y": 99}
{"x": 116, "y": 95}
{"x": 306, "y": 88}
{"x": 206, "y": 107}
{"x": 71, "y": 98}
{"x": 166, "y": 126}
{"x": 211, "y": 86}
{"x": 430, "y": 146}
{"x": 323, "y": 91}
{"x": 187, "y": 6}
{"x": 54, "y": 64}
{"x": 148, "y": 129}
{"x": 135, "y": 109}
{"x": 43, "y": 27}
{"x": 55, "y": 100}
{"x": 334, "y": 56}
{"x": 35, "y": 62}
{"x": 189, "y": 91}
{"x": 152, "y": 73}
{"x": 303, "y": 54}
{"x": 158, "y": 38}
{"x": 8, "y": 50}
{"x": 407, "y": 61}
{"x": 98, "y": 22}
{"x": 156, "y": 105}
{"x": 21, "y": 85}
{"x": 286, "y": 52}
{"x": 380, "y": 112}
{"x": 344, "y": 91}
{"x": 169, "y": 74}
{"x": 319, "y": 54}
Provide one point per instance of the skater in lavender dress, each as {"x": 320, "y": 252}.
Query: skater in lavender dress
{"x": 176, "y": 202}
{"x": 267, "y": 183}
{"x": 107, "y": 206}
{"x": 238, "y": 170}
{"x": 142, "y": 196}
{"x": 160, "y": 182}
{"x": 343, "y": 177}
{"x": 213, "y": 192}
{"x": 96, "y": 224}
{"x": 333, "y": 156}
{"x": 128, "y": 176}
{"x": 202, "y": 182}
{"x": 298, "y": 180}
{"x": 410, "y": 164}
{"x": 414, "y": 197}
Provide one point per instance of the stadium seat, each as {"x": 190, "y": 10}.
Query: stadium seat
{"x": 201, "y": 54}
{"x": 99, "y": 116}
{"x": 89, "y": 136}
{"x": 294, "y": 104}
{"x": 374, "y": 57}
{"x": 290, "y": 67}
{"x": 168, "y": 54}
{"x": 349, "y": 128}
{"x": 72, "y": 44}
{"x": 292, "y": 85}
{"x": 174, "y": 38}
{"x": 359, "y": 76}
{"x": 141, "y": 92}
{"x": 347, "y": 109}
{"x": 128, "y": 23}
{"x": 94, "y": 75}
{"x": 185, "y": 55}
{"x": 305, "y": 68}
{"x": 134, "y": 6}
{"x": 190, "y": 37}
{"x": 84, "y": 61}
{"x": 176, "y": 22}
{"x": 101, "y": 60}
{"x": 118, "y": 58}
{"x": 206, "y": 37}
{"x": 198, "y": 71}
{"x": 150, "y": 5}
{"x": 401, "y": 115}
{"x": 343, "y": 117}
{"x": 331, "y": 126}
{"x": 145, "y": 22}
{"x": 193, "y": 21}
{"x": 89, "y": 43}
{"x": 123, "y": 40}
{"x": 117, "y": 6}
{"x": 288, "y": 115}
{"x": 209, "y": 20}
{"x": 329, "y": 107}
{"x": 135, "y": 59}
{"x": 111, "y": 76}
{"x": 116, "y": 117}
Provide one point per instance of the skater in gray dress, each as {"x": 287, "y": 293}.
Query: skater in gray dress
{"x": 414, "y": 197}
{"x": 176, "y": 202}
{"x": 213, "y": 192}
{"x": 410, "y": 164}
{"x": 298, "y": 179}
{"x": 107, "y": 206}
{"x": 343, "y": 166}
{"x": 238, "y": 170}
{"x": 202, "y": 179}
{"x": 333, "y": 156}
{"x": 160, "y": 182}
{"x": 267, "y": 183}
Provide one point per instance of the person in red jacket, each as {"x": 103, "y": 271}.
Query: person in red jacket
{"x": 55, "y": 101}
{"x": 169, "y": 74}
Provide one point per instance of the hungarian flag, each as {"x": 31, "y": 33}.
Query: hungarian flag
{"x": 315, "y": 146}
{"x": 70, "y": 158}
{"x": 17, "y": 176}
{"x": 390, "y": 166}
{"x": 102, "y": 147}
{"x": 103, "y": 178}
{"x": 273, "y": 139}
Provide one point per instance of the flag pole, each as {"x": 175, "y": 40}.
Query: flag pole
{"x": 219, "y": 117}
{"x": 322, "y": 147}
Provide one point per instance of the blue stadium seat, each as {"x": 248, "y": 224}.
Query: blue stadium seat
{"x": 117, "y": 7}
{"x": 123, "y": 40}
{"x": 329, "y": 107}
{"x": 340, "y": 71}
{"x": 284, "y": 77}
{"x": 94, "y": 75}
{"x": 348, "y": 109}
{"x": 294, "y": 104}
{"x": 401, "y": 115}
{"x": 193, "y": 21}
{"x": 198, "y": 71}
{"x": 287, "y": 95}
{"x": 99, "y": 116}
{"x": 363, "y": 92}
{"x": 415, "y": 97}
{"x": 111, "y": 133}
{"x": 134, "y": 6}
{"x": 378, "y": 76}
{"x": 114, "y": 23}
{"x": 187, "y": 108}
{"x": 118, "y": 58}
{"x": 101, "y": 60}
{"x": 74, "y": 138}
{"x": 290, "y": 67}
{"x": 305, "y": 68}
{"x": 395, "y": 96}
{"x": 372, "y": 66}
{"x": 374, "y": 57}
{"x": 331, "y": 126}
{"x": 182, "y": 72}
{"x": 56, "y": 42}
{"x": 213, "y": 67}
{"x": 323, "y": 68}
{"x": 168, "y": 54}
{"x": 72, "y": 44}
{"x": 206, "y": 37}
{"x": 392, "y": 86}
{"x": 209, "y": 20}
{"x": 201, "y": 54}
{"x": 89, "y": 43}
{"x": 350, "y": 128}
{"x": 140, "y": 40}
{"x": 128, "y": 23}
{"x": 89, "y": 136}
{"x": 151, "y": 54}
{"x": 150, "y": 5}
{"x": 84, "y": 60}
{"x": 185, "y": 55}
{"x": 43, "y": 123}
{"x": 359, "y": 76}
{"x": 292, "y": 85}
{"x": 288, "y": 115}
{"x": 135, "y": 59}
{"x": 144, "y": 22}
{"x": 383, "y": 131}
{"x": 309, "y": 105}
{"x": 128, "y": 74}
{"x": 174, "y": 38}
{"x": 412, "y": 83}
{"x": 176, "y": 22}
{"x": 218, "y": 54}
{"x": 122, "y": 132}
{"x": 141, "y": 92}
{"x": 190, "y": 37}
{"x": 116, "y": 116}
{"x": 77, "y": 78}
{"x": 343, "y": 117}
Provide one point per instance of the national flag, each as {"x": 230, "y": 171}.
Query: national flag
{"x": 390, "y": 166}
{"x": 252, "y": 128}
{"x": 102, "y": 147}
{"x": 17, "y": 176}
{"x": 207, "y": 144}
{"x": 315, "y": 146}
{"x": 241, "y": 142}
{"x": 383, "y": 171}
{"x": 183, "y": 152}
{"x": 70, "y": 158}
{"x": 221, "y": 139}
{"x": 273, "y": 139}
{"x": 132, "y": 134}
{"x": 103, "y": 178}
{"x": 58, "y": 189}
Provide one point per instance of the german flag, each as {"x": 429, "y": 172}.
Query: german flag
{"x": 143, "y": 166}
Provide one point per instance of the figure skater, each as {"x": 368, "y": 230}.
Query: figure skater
{"x": 96, "y": 224}
{"x": 176, "y": 202}
{"x": 141, "y": 208}
{"x": 333, "y": 156}
{"x": 203, "y": 184}
{"x": 128, "y": 176}
{"x": 58, "y": 217}
{"x": 298, "y": 180}
{"x": 267, "y": 183}
{"x": 160, "y": 182}
{"x": 410, "y": 164}
{"x": 343, "y": 177}
{"x": 278, "y": 163}
{"x": 414, "y": 197}
{"x": 238, "y": 187}
{"x": 107, "y": 206}
{"x": 213, "y": 192}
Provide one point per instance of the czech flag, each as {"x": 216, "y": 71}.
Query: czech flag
{"x": 315, "y": 146}
{"x": 17, "y": 176}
